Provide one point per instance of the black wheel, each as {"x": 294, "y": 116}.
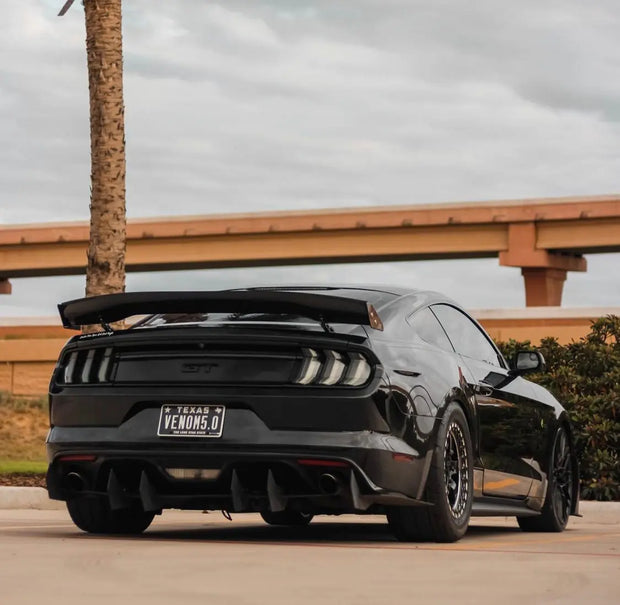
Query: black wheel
{"x": 286, "y": 517}
{"x": 559, "y": 497}
{"x": 93, "y": 515}
{"x": 449, "y": 487}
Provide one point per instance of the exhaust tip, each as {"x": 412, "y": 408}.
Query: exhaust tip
{"x": 74, "y": 481}
{"x": 330, "y": 484}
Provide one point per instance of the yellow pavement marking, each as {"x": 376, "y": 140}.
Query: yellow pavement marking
{"x": 397, "y": 546}
{"x": 551, "y": 539}
{"x": 517, "y": 545}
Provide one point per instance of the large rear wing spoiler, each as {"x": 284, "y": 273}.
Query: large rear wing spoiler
{"x": 115, "y": 307}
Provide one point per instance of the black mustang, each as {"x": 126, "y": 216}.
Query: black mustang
{"x": 301, "y": 401}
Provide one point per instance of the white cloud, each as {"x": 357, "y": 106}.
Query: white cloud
{"x": 239, "y": 27}
{"x": 272, "y": 104}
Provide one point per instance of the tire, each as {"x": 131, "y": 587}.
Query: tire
{"x": 286, "y": 517}
{"x": 93, "y": 515}
{"x": 559, "y": 497}
{"x": 450, "y": 487}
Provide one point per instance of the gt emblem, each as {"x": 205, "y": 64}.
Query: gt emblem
{"x": 195, "y": 368}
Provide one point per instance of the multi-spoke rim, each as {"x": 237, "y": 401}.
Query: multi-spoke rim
{"x": 456, "y": 470}
{"x": 562, "y": 477}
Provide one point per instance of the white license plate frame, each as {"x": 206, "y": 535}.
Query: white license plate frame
{"x": 191, "y": 420}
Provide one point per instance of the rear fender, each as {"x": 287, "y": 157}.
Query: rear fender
{"x": 468, "y": 405}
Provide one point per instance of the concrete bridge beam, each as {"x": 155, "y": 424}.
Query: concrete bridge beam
{"x": 544, "y": 237}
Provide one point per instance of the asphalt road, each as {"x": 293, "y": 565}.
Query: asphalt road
{"x": 190, "y": 557}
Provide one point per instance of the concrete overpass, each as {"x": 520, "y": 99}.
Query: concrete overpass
{"x": 544, "y": 237}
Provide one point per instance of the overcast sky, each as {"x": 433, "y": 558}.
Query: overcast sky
{"x": 241, "y": 106}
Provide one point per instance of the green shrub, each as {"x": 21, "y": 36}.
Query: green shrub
{"x": 585, "y": 378}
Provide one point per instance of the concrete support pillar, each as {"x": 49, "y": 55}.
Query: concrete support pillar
{"x": 543, "y": 286}
{"x": 5, "y": 286}
{"x": 544, "y": 271}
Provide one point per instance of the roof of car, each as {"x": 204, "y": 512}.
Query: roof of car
{"x": 342, "y": 290}
{"x": 378, "y": 295}
{"x": 388, "y": 289}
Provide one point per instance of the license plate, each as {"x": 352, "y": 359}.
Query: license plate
{"x": 191, "y": 420}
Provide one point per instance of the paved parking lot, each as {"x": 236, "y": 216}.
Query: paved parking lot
{"x": 190, "y": 557}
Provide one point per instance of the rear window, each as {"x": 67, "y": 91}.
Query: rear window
{"x": 377, "y": 298}
{"x": 223, "y": 318}
{"x": 245, "y": 320}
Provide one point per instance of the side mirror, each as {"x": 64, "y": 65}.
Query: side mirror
{"x": 527, "y": 362}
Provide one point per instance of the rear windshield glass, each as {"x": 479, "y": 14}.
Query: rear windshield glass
{"x": 220, "y": 318}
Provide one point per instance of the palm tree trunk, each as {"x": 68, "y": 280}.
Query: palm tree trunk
{"x": 106, "y": 253}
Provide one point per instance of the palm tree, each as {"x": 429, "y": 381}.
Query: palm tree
{"x": 106, "y": 252}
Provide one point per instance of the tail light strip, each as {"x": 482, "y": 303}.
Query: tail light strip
{"x": 319, "y": 367}
{"x": 87, "y": 367}
{"x": 333, "y": 368}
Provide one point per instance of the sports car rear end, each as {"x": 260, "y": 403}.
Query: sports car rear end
{"x": 233, "y": 415}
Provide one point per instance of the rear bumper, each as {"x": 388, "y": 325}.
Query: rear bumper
{"x": 256, "y": 468}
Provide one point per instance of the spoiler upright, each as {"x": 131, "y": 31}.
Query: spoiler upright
{"x": 115, "y": 307}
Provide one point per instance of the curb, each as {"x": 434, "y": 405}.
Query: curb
{"x": 606, "y": 512}
{"x": 27, "y": 498}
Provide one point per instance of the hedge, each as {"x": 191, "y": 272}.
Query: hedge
{"x": 585, "y": 377}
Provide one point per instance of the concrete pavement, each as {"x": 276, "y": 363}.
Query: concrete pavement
{"x": 190, "y": 557}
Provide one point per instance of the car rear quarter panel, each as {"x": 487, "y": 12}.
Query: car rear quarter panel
{"x": 422, "y": 380}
